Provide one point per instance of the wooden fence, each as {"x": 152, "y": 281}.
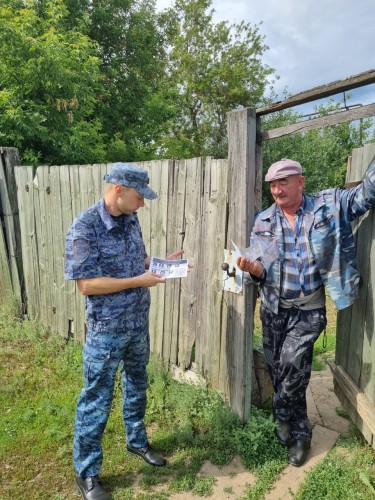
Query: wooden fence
{"x": 203, "y": 203}
{"x": 190, "y": 213}
{"x": 353, "y": 368}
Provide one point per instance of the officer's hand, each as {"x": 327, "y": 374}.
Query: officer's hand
{"x": 175, "y": 255}
{"x": 253, "y": 267}
{"x": 150, "y": 279}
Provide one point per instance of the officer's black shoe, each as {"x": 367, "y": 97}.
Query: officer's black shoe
{"x": 92, "y": 489}
{"x": 282, "y": 431}
{"x": 298, "y": 452}
{"x": 149, "y": 455}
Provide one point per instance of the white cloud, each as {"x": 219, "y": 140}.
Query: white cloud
{"x": 312, "y": 42}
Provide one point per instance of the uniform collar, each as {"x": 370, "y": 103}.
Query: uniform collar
{"x": 108, "y": 221}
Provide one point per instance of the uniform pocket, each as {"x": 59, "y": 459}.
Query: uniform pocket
{"x": 324, "y": 223}
{"x": 112, "y": 253}
{"x": 97, "y": 360}
{"x": 111, "y": 247}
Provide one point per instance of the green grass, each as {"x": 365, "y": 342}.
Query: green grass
{"x": 40, "y": 383}
{"x": 348, "y": 472}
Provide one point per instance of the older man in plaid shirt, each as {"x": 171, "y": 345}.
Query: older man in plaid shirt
{"x": 312, "y": 250}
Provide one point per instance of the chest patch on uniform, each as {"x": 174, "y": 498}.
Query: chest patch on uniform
{"x": 81, "y": 250}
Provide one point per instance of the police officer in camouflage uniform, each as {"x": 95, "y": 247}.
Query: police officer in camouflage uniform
{"x": 308, "y": 248}
{"x": 106, "y": 255}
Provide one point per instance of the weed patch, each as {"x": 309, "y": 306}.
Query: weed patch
{"x": 348, "y": 471}
{"x": 41, "y": 378}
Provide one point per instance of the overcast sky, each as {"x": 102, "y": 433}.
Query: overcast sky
{"x": 312, "y": 42}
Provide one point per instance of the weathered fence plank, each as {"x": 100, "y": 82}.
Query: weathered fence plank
{"x": 236, "y": 362}
{"x": 6, "y": 289}
{"x": 77, "y": 207}
{"x": 175, "y": 241}
{"x": 323, "y": 121}
{"x": 25, "y": 192}
{"x": 333, "y": 88}
{"x": 190, "y": 285}
{"x": 210, "y": 294}
{"x": 366, "y": 378}
{"x": 42, "y": 249}
{"x": 363, "y": 230}
{"x": 9, "y": 158}
{"x": 59, "y": 313}
{"x": 158, "y": 216}
{"x": 355, "y": 346}
{"x": 68, "y": 289}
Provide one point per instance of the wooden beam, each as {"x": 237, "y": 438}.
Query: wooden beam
{"x": 360, "y": 402}
{"x": 323, "y": 121}
{"x": 238, "y": 313}
{"x": 336, "y": 87}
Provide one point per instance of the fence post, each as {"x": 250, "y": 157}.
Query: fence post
{"x": 243, "y": 201}
{"x": 9, "y": 158}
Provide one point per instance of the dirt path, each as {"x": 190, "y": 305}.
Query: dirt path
{"x": 233, "y": 479}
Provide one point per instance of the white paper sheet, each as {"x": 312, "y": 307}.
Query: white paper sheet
{"x": 169, "y": 268}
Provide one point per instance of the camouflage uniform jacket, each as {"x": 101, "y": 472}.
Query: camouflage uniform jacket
{"x": 327, "y": 223}
{"x": 99, "y": 245}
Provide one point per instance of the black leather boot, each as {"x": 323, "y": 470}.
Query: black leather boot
{"x": 150, "y": 456}
{"x": 92, "y": 489}
{"x": 298, "y": 452}
{"x": 282, "y": 431}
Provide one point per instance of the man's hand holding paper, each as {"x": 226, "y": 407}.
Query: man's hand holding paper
{"x": 247, "y": 259}
{"x": 253, "y": 267}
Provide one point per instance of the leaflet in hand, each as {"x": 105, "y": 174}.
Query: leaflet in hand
{"x": 252, "y": 253}
{"x": 169, "y": 268}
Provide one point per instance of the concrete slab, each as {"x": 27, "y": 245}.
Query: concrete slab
{"x": 312, "y": 409}
{"x": 326, "y": 402}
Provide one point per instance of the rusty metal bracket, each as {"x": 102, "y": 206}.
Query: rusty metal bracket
{"x": 232, "y": 277}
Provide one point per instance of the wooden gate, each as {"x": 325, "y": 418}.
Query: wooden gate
{"x": 354, "y": 365}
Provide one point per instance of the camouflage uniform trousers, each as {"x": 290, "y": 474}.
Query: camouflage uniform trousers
{"x": 103, "y": 353}
{"x": 288, "y": 343}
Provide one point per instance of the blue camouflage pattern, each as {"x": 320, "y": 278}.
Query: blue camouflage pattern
{"x": 103, "y": 354}
{"x": 328, "y": 218}
{"x": 288, "y": 344}
{"x": 98, "y": 245}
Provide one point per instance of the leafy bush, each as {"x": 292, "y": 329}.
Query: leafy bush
{"x": 256, "y": 443}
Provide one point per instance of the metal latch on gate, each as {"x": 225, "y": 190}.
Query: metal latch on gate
{"x": 232, "y": 276}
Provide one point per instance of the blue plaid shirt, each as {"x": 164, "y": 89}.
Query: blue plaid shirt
{"x": 326, "y": 221}
{"x": 299, "y": 274}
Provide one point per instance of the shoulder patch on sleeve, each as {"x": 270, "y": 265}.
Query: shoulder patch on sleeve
{"x": 81, "y": 250}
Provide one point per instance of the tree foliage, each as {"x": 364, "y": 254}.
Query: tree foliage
{"x": 49, "y": 80}
{"x": 84, "y": 81}
{"x": 323, "y": 153}
{"x": 213, "y": 68}
{"x": 132, "y": 60}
